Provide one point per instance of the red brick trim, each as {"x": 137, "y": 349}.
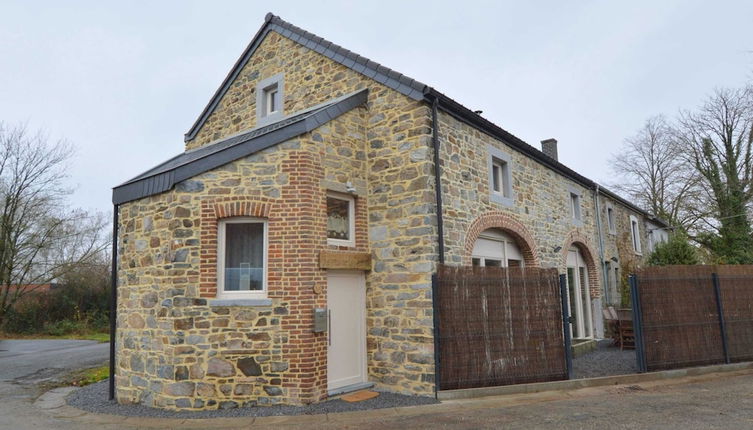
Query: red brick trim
{"x": 583, "y": 243}
{"x": 213, "y": 210}
{"x": 509, "y": 225}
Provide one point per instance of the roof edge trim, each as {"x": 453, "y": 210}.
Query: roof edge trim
{"x": 166, "y": 180}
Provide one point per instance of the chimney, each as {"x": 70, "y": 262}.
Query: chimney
{"x": 549, "y": 148}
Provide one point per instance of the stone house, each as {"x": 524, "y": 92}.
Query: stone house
{"x": 287, "y": 254}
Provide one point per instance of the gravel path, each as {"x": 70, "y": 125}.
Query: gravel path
{"x": 605, "y": 360}
{"x": 93, "y": 398}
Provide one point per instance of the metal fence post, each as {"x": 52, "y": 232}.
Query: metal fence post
{"x": 720, "y": 311}
{"x": 566, "y": 327}
{"x": 435, "y": 317}
{"x": 635, "y": 298}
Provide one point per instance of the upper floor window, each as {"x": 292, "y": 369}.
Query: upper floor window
{"x": 242, "y": 258}
{"x": 635, "y": 234}
{"x": 575, "y": 212}
{"x": 610, "y": 220}
{"x": 271, "y": 99}
{"x": 341, "y": 229}
{"x": 500, "y": 177}
{"x": 270, "y": 94}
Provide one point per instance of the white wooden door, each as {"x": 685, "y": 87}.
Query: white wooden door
{"x": 346, "y": 304}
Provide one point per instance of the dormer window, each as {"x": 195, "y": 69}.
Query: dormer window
{"x": 270, "y": 96}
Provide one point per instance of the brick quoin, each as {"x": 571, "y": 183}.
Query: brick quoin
{"x": 509, "y": 225}
{"x": 577, "y": 239}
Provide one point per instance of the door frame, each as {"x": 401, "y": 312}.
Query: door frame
{"x": 360, "y": 276}
{"x": 581, "y": 288}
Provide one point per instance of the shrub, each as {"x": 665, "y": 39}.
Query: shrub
{"x": 79, "y": 304}
{"x": 677, "y": 250}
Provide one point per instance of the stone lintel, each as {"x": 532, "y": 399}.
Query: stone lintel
{"x": 345, "y": 260}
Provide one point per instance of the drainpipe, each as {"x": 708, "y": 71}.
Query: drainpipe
{"x": 437, "y": 177}
{"x": 113, "y": 299}
{"x": 601, "y": 243}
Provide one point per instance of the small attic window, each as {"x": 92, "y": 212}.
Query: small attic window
{"x": 271, "y": 100}
{"x": 270, "y": 94}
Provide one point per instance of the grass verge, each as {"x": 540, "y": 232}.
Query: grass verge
{"x": 99, "y": 337}
{"x": 79, "y": 378}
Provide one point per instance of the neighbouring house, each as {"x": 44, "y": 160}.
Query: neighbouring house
{"x": 287, "y": 254}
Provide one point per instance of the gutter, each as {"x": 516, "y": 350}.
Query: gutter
{"x": 113, "y": 300}
{"x": 437, "y": 177}
{"x": 603, "y": 265}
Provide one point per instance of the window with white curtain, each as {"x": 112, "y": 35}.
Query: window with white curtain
{"x": 242, "y": 258}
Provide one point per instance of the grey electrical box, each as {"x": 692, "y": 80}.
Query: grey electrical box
{"x": 320, "y": 320}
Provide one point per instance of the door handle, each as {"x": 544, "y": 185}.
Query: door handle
{"x": 329, "y": 327}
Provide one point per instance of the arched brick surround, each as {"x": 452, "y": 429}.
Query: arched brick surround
{"x": 509, "y": 225}
{"x": 581, "y": 241}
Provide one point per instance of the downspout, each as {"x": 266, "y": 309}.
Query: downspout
{"x": 113, "y": 299}
{"x": 601, "y": 244}
{"x": 437, "y": 177}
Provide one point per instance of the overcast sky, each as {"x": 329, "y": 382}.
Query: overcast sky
{"x": 123, "y": 81}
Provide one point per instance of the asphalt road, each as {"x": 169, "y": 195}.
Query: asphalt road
{"x": 26, "y": 363}
{"x": 713, "y": 401}
{"x": 34, "y": 361}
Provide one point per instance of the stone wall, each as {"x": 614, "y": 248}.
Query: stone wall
{"x": 539, "y": 216}
{"x": 176, "y": 350}
{"x": 399, "y": 185}
{"x": 540, "y": 209}
{"x": 618, "y": 248}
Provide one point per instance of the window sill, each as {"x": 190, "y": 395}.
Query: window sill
{"x": 240, "y": 302}
{"x": 341, "y": 243}
{"x": 502, "y": 200}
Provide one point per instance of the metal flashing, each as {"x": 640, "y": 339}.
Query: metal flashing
{"x": 166, "y": 175}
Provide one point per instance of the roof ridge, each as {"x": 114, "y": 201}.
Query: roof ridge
{"x": 392, "y": 79}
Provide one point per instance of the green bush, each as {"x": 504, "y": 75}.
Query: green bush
{"x": 677, "y": 250}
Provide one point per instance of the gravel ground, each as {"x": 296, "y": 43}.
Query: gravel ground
{"x": 93, "y": 398}
{"x": 605, "y": 360}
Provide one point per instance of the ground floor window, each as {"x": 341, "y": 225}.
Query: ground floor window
{"x": 340, "y": 219}
{"x": 494, "y": 248}
{"x": 242, "y": 258}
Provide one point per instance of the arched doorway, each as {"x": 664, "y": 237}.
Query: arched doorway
{"x": 579, "y": 295}
{"x": 495, "y": 248}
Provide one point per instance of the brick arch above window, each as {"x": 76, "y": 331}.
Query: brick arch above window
{"x": 212, "y": 211}
{"x": 579, "y": 240}
{"x": 508, "y": 224}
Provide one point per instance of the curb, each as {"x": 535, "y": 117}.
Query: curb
{"x": 54, "y": 403}
{"x": 571, "y": 384}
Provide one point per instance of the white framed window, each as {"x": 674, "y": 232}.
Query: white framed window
{"x": 270, "y": 96}
{"x": 242, "y": 258}
{"x": 635, "y": 234}
{"x": 575, "y": 206}
{"x": 341, "y": 219}
{"x": 271, "y": 99}
{"x": 500, "y": 176}
{"x": 610, "y": 220}
{"x": 495, "y": 248}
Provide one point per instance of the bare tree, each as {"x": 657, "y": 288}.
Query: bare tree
{"x": 40, "y": 238}
{"x": 651, "y": 170}
{"x": 717, "y": 140}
